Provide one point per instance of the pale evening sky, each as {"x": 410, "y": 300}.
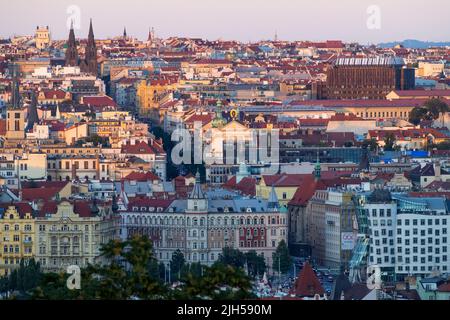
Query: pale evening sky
{"x": 244, "y": 20}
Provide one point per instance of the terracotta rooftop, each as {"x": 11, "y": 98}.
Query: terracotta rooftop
{"x": 307, "y": 284}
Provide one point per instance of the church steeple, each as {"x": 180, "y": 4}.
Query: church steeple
{"x": 273, "y": 204}
{"x": 71, "y": 51}
{"x": 218, "y": 121}
{"x": 32, "y": 116}
{"x": 125, "y": 32}
{"x": 150, "y": 35}
{"x": 90, "y": 61}
{"x": 15, "y": 93}
{"x": 197, "y": 201}
{"x": 197, "y": 192}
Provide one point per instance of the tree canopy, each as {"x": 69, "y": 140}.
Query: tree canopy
{"x": 282, "y": 261}
{"x": 431, "y": 110}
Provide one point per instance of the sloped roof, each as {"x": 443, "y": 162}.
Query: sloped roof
{"x": 307, "y": 284}
{"x": 246, "y": 186}
{"x": 142, "y": 176}
{"x": 284, "y": 179}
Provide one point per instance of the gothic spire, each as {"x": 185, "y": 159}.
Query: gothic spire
{"x": 197, "y": 192}
{"x": 15, "y": 97}
{"x": 71, "y": 51}
{"x": 151, "y": 34}
{"x": 273, "y": 200}
{"x": 91, "y": 39}
{"x": 32, "y": 117}
{"x": 90, "y": 61}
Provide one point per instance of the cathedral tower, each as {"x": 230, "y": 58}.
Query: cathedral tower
{"x": 72, "y": 51}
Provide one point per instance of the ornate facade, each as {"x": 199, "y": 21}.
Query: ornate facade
{"x": 202, "y": 225}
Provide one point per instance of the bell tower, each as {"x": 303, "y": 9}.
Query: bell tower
{"x": 15, "y": 113}
{"x": 71, "y": 51}
{"x": 197, "y": 201}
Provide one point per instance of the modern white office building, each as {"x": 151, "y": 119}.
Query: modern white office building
{"x": 408, "y": 236}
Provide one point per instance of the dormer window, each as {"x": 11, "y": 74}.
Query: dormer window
{"x": 135, "y": 209}
{"x": 143, "y": 209}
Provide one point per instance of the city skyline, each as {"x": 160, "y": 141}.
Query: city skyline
{"x": 325, "y": 19}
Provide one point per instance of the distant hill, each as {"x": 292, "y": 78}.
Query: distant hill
{"x": 414, "y": 44}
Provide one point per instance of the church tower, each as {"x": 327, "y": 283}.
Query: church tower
{"x": 15, "y": 113}
{"x": 90, "y": 60}
{"x": 32, "y": 113}
{"x": 71, "y": 51}
{"x": 197, "y": 201}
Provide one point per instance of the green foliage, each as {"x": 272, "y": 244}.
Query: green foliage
{"x": 177, "y": 264}
{"x": 431, "y": 110}
{"x": 441, "y": 146}
{"x": 389, "y": 142}
{"x": 232, "y": 257}
{"x": 133, "y": 273}
{"x": 22, "y": 280}
{"x": 128, "y": 275}
{"x": 96, "y": 140}
{"x": 251, "y": 261}
{"x": 256, "y": 264}
{"x": 219, "y": 282}
{"x": 282, "y": 261}
{"x": 371, "y": 144}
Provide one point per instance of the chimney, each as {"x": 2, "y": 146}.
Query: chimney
{"x": 437, "y": 170}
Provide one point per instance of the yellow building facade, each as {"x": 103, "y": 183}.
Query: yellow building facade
{"x": 17, "y": 232}
{"x": 150, "y": 94}
{"x": 73, "y": 235}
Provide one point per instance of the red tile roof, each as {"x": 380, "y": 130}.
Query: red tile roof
{"x": 423, "y": 93}
{"x": 2, "y": 127}
{"x": 313, "y": 122}
{"x": 148, "y": 203}
{"x": 54, "y": 94}
{"x": 82, "y": 208}
{"x": 285, "y": 180}
{"x": 21, "y": 207}
{"x": 361, "y": 103}
{"x": 304, "y": 192}
{"x": 45, "y": 193}
{"x": 138, "y": 148}
{"x": 445, "y": 287}
{"x": 246, "y": 186}
{"x": 99, "y": 101}
{"x": 307, "y": 284}
{"x": 142, "y": 177}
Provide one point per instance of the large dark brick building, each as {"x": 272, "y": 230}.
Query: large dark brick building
{"x": 367, "y": 78}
